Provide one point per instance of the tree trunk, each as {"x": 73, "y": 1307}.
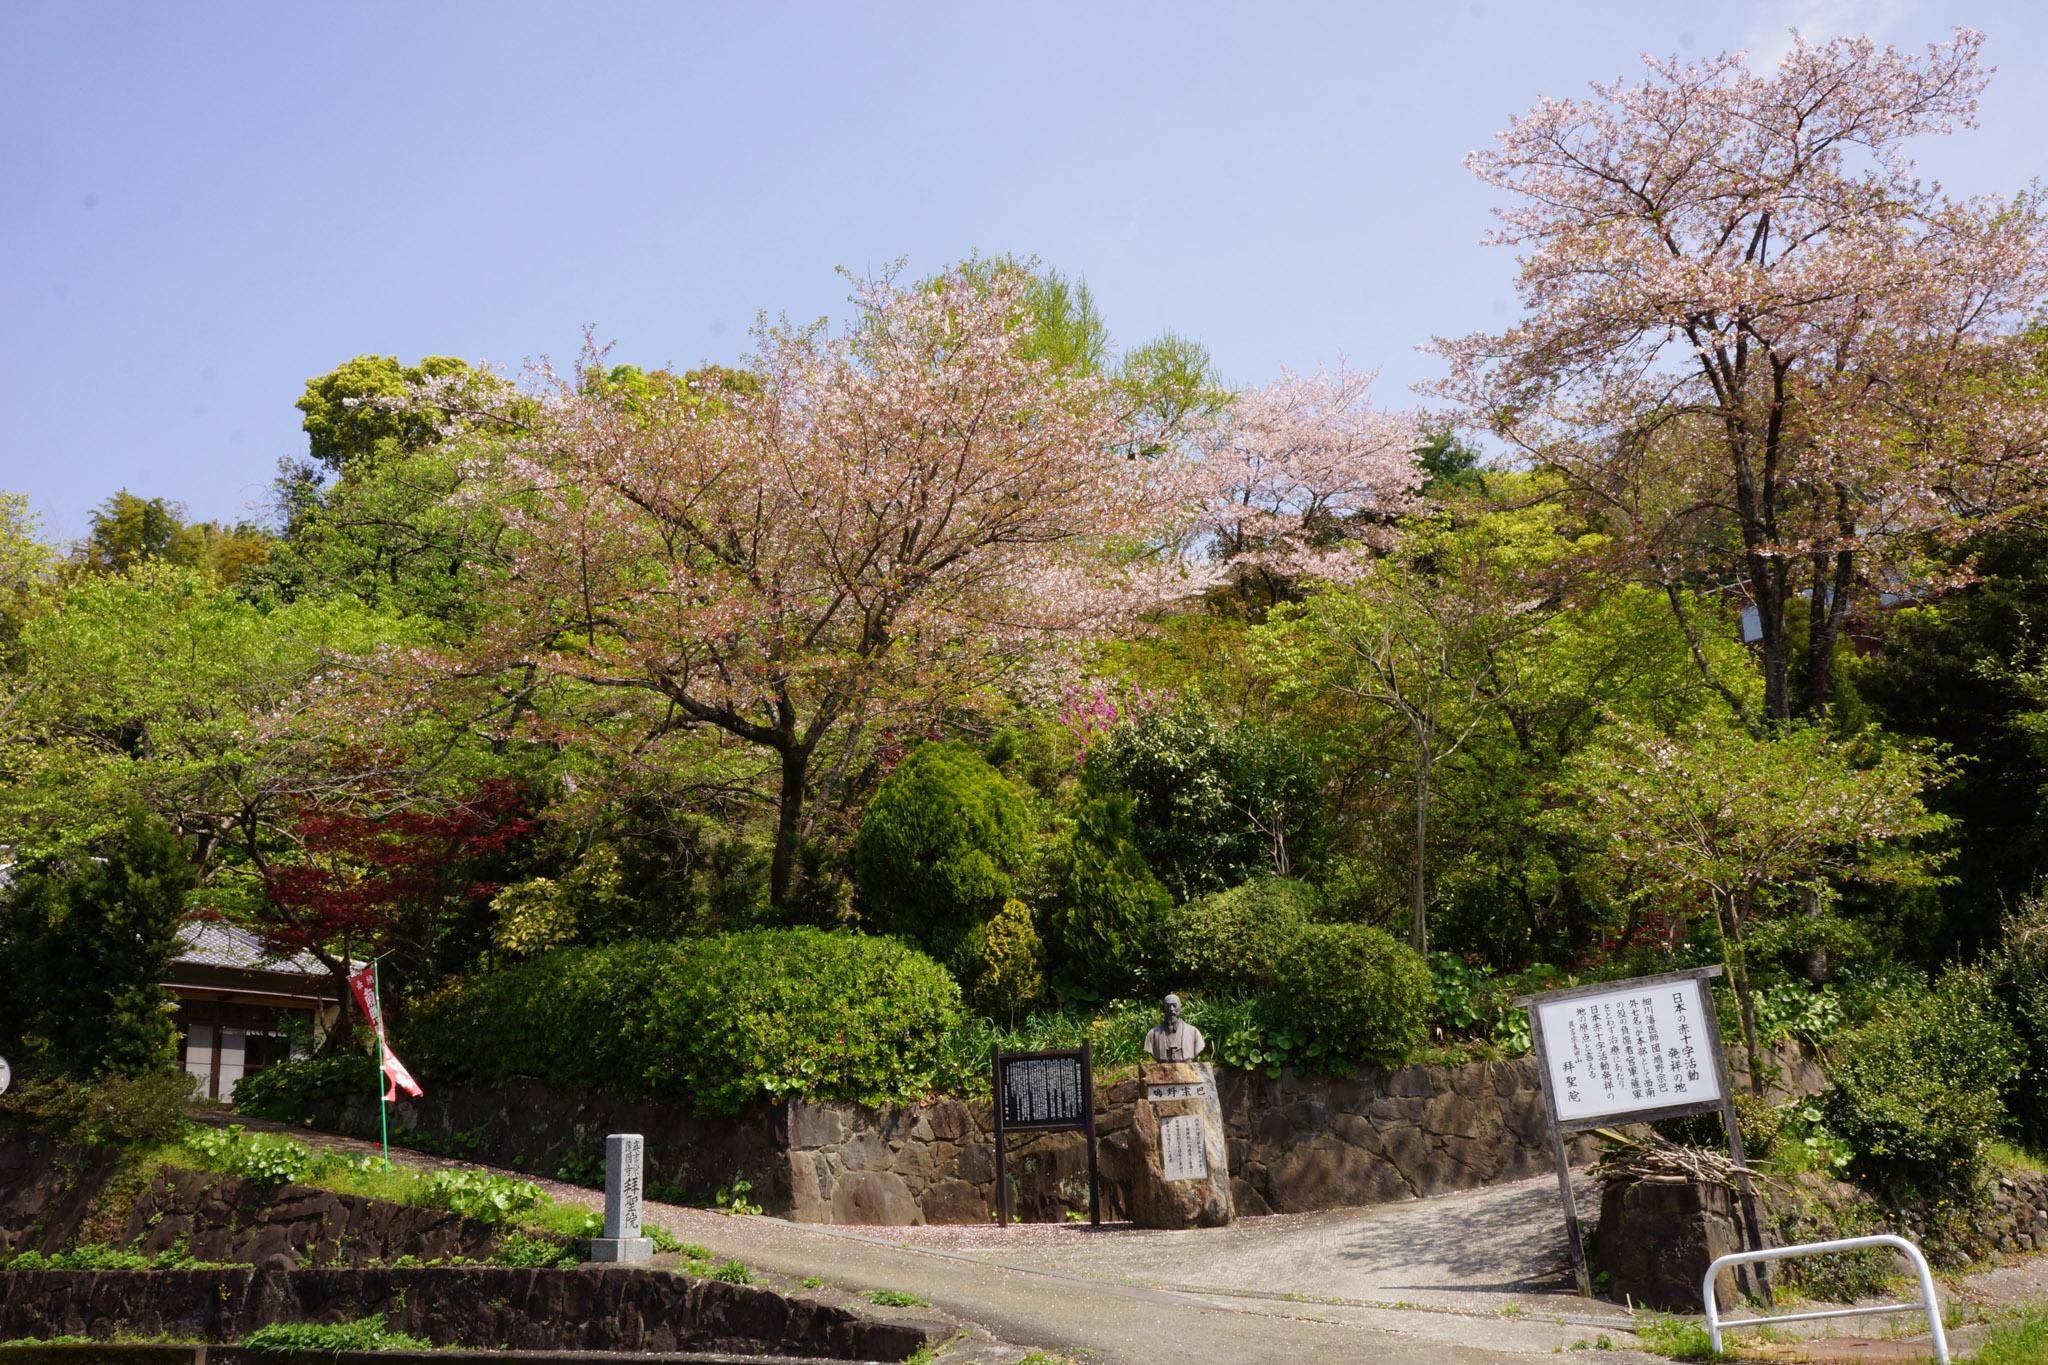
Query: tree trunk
{"x": 1738, "y": 977}
{"x": 1418, "y": 929}
{"x": 1768, "y": 589}
{"x": 796, "y": 760}
{"x": 1818, "y": 969}
{"x": 338, "y": 1037}
{"x": 1829, "y": 609}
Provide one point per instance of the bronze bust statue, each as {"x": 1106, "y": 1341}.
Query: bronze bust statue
{"x": 1174, "y": 1039}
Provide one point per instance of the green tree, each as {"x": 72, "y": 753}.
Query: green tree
{"x": 1106, "y": 922}
{"x": 218, "y": 714}
{"x": 1421, "y": 635}
{"x": 129, "y": 530}
{"x": 939, "y": 844}
{"x": 364, "y": 408}
{"x": 1958, "y": 673}
{"x": 1214, "y": 804}
{"x": 89, "y": 942}
{"x": 27, "y": 571}
{"x": 1708, "y": 813}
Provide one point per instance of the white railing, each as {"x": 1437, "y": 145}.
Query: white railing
{"x": 1928, "y": 1303}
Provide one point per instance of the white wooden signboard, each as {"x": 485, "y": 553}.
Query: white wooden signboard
{"x": 1629, "y": 1050}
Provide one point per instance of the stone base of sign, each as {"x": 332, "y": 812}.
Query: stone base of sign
{"x": 1655, "y": 1241}
{"x": 621, "y": 1248}
{"x": 1179, "y": 1158}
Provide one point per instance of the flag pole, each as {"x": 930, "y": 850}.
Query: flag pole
{"x": 383, "y": 1103}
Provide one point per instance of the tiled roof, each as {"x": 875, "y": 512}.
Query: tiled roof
{"x": 214, "y": 944}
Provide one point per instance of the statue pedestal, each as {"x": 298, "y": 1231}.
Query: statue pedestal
{"x": 1180, "y": 1162}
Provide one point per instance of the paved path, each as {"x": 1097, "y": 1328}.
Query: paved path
{"x": 1347, "y": 1286}
{"x": 1479, "y": 1277}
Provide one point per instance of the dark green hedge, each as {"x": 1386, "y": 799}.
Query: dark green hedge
{"x": 720, "y": 1022}
{"x": 1351, "y": 994}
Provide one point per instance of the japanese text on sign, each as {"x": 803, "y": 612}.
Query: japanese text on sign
{"x": 1635, "y": 1048}
{"x": 1183, "y": 1154}
{"x": 1043, "y": 1092}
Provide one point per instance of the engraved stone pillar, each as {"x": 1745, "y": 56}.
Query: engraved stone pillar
{"x": 1180, "y": 1161}
{"x": 622, "y": 1240}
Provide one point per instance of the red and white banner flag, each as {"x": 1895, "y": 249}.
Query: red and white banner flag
{"x": 364, "y": 983}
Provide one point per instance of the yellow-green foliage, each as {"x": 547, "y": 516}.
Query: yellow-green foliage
{"x": 532, "y": 916}
{"x": 1006, "y": 963}
{"x": 588, "y": 905}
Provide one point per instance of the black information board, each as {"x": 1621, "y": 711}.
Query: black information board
{"x": 1041, "y": 1091}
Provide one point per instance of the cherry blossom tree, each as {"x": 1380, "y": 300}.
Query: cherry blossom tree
{"x": 1303, "y": 464}
{"x": 1741, "y": 279}
{"x": 856, "y": 525}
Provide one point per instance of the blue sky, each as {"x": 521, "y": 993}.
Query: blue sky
{"x": 202, "y": 206}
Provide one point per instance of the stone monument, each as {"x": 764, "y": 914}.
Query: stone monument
{"x": 622, "y": 1240}
{"x": 1180, "y": 1161}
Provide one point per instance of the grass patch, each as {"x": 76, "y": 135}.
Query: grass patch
{"x": 2021, "y": 1339}
{"x": 810, "y": 1282}
{"x": 1675, "y": 1338}
{"x": 2013, "y": 1157}
{"x": 523, "y": 1249}
{"x": 99, "y": 1256}
{"x": 894, "y": 1298}
{"x": 364, "y": 1334}
{"x": 732, "y": 1272}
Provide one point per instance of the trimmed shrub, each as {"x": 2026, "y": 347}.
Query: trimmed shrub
{"x": 1233, "y": 939}
{"x": 1004, "y": 963}
{"x": 1109, "y": 920}
{"x": 939, "y": 844}
{"x": 1351, "y": 994}
{"x": 112, "y": 1111}
{"x": 89, "y": 944}
{"x": 301, "y": 1089}
{"x": 1917, "y": 1089}
{"x": 719, "y": 1022}
{"x": 2023, "y": 985}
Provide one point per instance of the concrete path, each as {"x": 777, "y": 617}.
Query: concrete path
{"x": 1476, "y": 1279}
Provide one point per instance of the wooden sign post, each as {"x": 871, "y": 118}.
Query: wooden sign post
{"x": 1040, "y": 1091}
{"x": 1633, "y": 1052}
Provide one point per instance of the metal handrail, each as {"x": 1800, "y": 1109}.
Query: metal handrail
{"x": 1928, "y": 1303}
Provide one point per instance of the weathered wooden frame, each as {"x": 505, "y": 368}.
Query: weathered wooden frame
{"x": 1560, "y": 1128}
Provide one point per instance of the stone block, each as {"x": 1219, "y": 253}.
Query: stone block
{"x": 949, "y": 1120}
{"x": 1179, "y": 1155}
{"x": 875, "y": 1198}
{"x": 978, "y": 1163}
{"x": 1655, "y": 1242}
{"x": 956, "y": 1201}
{"x": 620, "y": 1249}
{"x": 810, "y": 1188}
{"x": 864, "y": 1151}
{"x": 1324, "y": 1173}
{"x": 816, "y": 1125}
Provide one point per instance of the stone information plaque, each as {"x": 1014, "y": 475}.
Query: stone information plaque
{"x": 1043, "y": 1091}
{"x": 1182, "y": 1149}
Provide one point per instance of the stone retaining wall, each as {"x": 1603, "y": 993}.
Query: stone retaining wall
{"x": 1297, "y": 1142}
{"x": 589, "y": 1309}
